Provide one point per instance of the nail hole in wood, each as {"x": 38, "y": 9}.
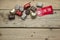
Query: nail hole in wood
{"x": 34, "y": 32}
{"x": 0, "y": 34}
{"x": 46, "y": 38}
{"x": 31, "y": 35}
{"x": 33, "y": 0}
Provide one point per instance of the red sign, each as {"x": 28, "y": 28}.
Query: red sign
{"x": 44, "y": 11}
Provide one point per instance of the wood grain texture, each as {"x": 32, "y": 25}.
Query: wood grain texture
{"x": 9, "y": 4}
{"x": 44, "y": 21}
{"x": 27, "y": 31}
{"x": 30, "y": 34}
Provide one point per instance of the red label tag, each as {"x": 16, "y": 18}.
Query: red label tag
{"x": 44, "y": 11}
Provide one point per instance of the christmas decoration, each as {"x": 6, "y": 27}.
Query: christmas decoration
{"x": 44, "y": 11}
{"x": 33, "y": 15}
{"x": 23, "y": 17}
{"x": 11, "y": 17}
{"x": 27, "y": 12}
{"x": 27, "y": 9}
{"x": 21, "y": 9}
{"x": 17, "y": 7}
{"x": 18, "y": 12}
{"x": 32, "y": 8}
{"x": 12, "y": 11}
{"x": 39, "y": 4}
{"x": 27, "y": 5}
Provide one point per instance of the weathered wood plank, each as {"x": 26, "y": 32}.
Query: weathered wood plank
{"x": 9, "y": 4}
{"x": 44, "y": 21}
{"x": 29, "y": 34}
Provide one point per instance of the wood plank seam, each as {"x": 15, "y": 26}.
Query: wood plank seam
{"x": 33, "y": 27}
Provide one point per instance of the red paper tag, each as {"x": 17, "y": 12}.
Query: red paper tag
{"x": 44, "y": 11}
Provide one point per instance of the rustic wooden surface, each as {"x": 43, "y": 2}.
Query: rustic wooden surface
{"x": 9, "y": 4}
{"x": 45, "y": 21}
{"x": 42, "y": 28}
{"x": 29, "y": 34}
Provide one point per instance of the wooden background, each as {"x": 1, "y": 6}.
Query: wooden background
{"x": 42, "y": 28}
